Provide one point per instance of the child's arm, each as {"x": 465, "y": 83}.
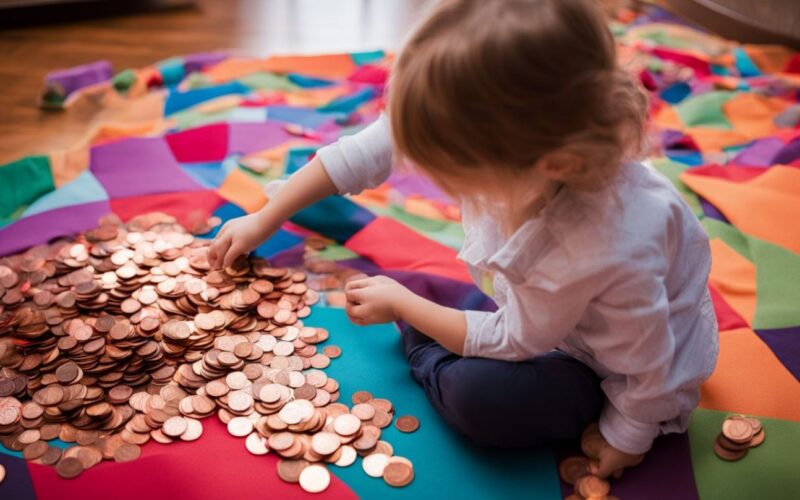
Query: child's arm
{"x": 380, "y": 300}
{"x": 348, "y": 166}
{"x": 239, "y": 236}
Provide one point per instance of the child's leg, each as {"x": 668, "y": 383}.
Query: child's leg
{"x": 546, "y": 400}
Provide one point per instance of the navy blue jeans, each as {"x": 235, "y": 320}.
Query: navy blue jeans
{"x": 547, "y": 400}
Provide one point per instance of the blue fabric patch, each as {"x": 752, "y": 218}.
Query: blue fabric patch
{"x": 372, "y": 360}
{"x": 210, "y": 175}
{"x": 296, "y": 158}
{"x": 349, "y": 103}
{"x": 718, "y": 70}
{"x": 308, "y": 82}
{"x": 691, "y": 158}
{"x": 177, "y": 101}
{"x": 744, "y": 64}
{"x": 172, "y": 71}
{"x": 676, "y": 92}
{"x": 248, "y": 115}
{"x": 277, "y": 243}
{"x": 335, "y": 217}
{"x": 362, "y": 58}
{"x": 305, "y": 117}
{"x": 83, "y": 189}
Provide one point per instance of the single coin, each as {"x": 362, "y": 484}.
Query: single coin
{"x": 374, "y": 464}
{"x": 332, "y": 351}
{"x": 363, "y": 411}
{"x": 315, "y": 479}
{"x": 398, "y": 473}
{"x": 347, "y": 458}
{"x": 289, "y": 470}
{"x": 194, "y": 429}
{"x": 729, "y": 455}
{"x": 361, "y": 397}
{"x": 174, "y": 426}
{"x": 407, "y": 423}
{"x": 2, "y": 473}
{"x": 573, "y": 468}
{"x": 126, "y": 453}
{"x": 730, "y": 445}
{"x": 69, "y": 467}
{"x": 755, "y": 423}
{"x": 346, "y": 425}
{"x": 325, "y": 443}
{"x": 738, "y": 429}
{"x": 757, "y": 439}
{"x": 256, "y": 444}
{"x": 592, "y": 486}
{"x": 240, "y": 426}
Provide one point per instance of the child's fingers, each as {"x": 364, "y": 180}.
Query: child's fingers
{"x": 219, "y": 248}
{"x": 356, "y": 284}
{"x": 233, "y": 252}
{"x": 355, "y": 312}
{"x": 356, "y": 295}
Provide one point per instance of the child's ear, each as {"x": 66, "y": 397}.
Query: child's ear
{"x": 561, "y": 165}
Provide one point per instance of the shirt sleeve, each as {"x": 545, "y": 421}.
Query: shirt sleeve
{"x": 639, "y": 352}
{"x": 536, "y": 316}
{"x": 360, "y": 161}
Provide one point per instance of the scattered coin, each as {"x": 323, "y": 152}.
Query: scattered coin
{"x": 398, "y": 472}
{"x": 374, "y": 464}
{"x": 2, "y": 474}
{"x": 739, "y": 434}
{"x": 407, "y": 423}
{"x": 315, "y": 479}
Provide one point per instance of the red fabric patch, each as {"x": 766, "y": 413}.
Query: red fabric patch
{"x": 207, "y": 143}
{"x": 735, "y": 173}
{"x": 391, "y": 245}
{"x": 700, "y": 67}
{"x": 217, "y": 466}
{"x": 369, "y": 73}
{"x": 793, "y": 66}
{"x": 184, "y": 206}
{"x": 727, "y": 318}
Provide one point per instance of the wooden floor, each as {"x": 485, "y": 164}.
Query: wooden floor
{"x": 254, "y": 27}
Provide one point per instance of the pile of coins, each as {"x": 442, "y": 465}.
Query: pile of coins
{"x": 739, "y": 434}
{"x": 575, "y": 470}
{"x": 124, "y": 334}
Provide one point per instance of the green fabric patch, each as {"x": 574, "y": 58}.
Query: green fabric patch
{"x": 672, "y": 171}
{"x": 667, "y": 40}
{"x": 730, "y": 235}
{"x": 768, "y": 471}
{"x": 22, "y": 182}
{"x": 197, "y": 80}
{"x": 263, "y": 80}
{"x": 777, "y": 285}
{"x": 337, "y": 252}
{"x": 190, "y": 118}
{"x": 705, "y": 110}
{"x": 372, "y": 360}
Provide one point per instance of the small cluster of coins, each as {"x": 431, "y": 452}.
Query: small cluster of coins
{"x": 739, "y": 434}
{"x": 575, "y": 470}
{"x": 125, "y": 334}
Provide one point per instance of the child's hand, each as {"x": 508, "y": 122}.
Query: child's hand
{"x": 237, "y": 237}
{"x": 611, "y": 461}
{"x": 374, "y": 300}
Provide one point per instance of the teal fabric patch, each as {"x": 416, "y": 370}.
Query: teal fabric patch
{"x": 372, "y": 360}
{"x": 705, "y": 110}
{"x": 372, "y": 56}
{"x": 83, "y": 189}
{"x": 22, "y": 182}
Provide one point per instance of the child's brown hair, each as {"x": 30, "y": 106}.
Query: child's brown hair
{"x": 502, "y": 83}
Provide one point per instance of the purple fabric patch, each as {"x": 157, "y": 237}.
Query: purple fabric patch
{"x": 18, "y": 484}
{"x": 200, "y": 60}
{"x": 711, "y": 211}
{"x": 785, "y": 344}
{"x": 72, "y": 79}
{"x": 788, "y": 153}
{"x": 43, "y": 227}
{"x": 139, "y": 166}
{"x": 760, "y": 153}
{"x": 665, "y": 474}
{"x": 416, "y": 184}
{"x": 444, "y": 291}
{"x": 247, "y": 138}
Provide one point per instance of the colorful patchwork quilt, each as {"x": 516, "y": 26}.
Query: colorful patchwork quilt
{"x": 200, "y": 136}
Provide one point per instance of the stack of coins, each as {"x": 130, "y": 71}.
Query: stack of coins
{"x": 739, "y": 434}
{"x": 575, "y": 470}
{"x": 124, "y": 334}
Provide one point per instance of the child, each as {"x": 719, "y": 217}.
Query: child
{"x": 517, "y": 109}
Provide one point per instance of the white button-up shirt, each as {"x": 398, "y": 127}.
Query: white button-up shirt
{"x": 616, "y": 278}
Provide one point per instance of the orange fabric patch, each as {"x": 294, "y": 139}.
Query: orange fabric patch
{"x": 233, "y": 68}
{"x": 750, "y": 379}
{"x": 244, "y": 191}
{"x": 715, "y": 139}
{"x": 763, "y": 207}
{"x": 734, "y": 278}
{"x": 325, "y": 66}
{"x": 667, "y": 117}
{"x": 769, "y": 58}
{"x": 68, "y": 164}
{"x": 752, "y": 114}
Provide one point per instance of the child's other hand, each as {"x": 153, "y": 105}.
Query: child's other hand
{"x": 237, "y": 237}
{"x": 611, "y": 461}
{"x": 374, "y": 300}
